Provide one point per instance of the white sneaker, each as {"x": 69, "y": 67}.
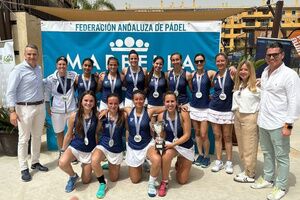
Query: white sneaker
{"x": 261, "y": 183}
{"x": 151, "y": 189}
{"x": 218, "y": 166}
{"x": 276, "y": 194}
{"x": 156, "y": 183}
{"x": 229, "y": 167}
{"x": 243, "y": 179}
{"x": 241, "y": 174}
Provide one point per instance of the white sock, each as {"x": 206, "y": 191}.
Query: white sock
{"x": 152, "y": 179}
{"x": 74, "y": 175}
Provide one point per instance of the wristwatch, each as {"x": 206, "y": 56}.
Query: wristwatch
{"x": 11, "y": 109}
{"x": 288, "y": 126}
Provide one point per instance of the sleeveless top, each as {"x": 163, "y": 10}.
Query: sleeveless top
{"x": 129, "y": 82}
{"x": 78, "y": 141}
{"x": 202, "y": 102}
{"x": 182, "y": 90}
{"x": 81, "y": 88}
{"x": 144, "y": 131}
{"x": 106, "y": 88}
{"x": 117, "y": 136}
{"x": 169, "y": 133}
{"x": 161, "y": 89}
{"x": 216, "y": 103}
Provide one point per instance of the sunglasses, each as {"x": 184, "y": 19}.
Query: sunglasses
{"x": 199, "y": 61}
{"x": 274, "y": 55}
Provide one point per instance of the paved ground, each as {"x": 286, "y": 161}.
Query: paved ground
{"x": 203, "y": 183}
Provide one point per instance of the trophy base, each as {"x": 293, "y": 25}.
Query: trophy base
{"x": 160, "y": 147}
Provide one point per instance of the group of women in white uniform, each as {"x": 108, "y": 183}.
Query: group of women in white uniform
{"x": 164, "y": 93}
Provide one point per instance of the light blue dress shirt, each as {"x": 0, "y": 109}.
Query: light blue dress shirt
{"x": 25, "y": 84}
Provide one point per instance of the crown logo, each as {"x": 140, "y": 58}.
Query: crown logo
{"x": 129, "y": 44}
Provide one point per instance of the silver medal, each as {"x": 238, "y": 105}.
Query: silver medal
{"x": 137, "y": 138}
{"x": 198, "y": 95}
{"x": 222, "y": 96}
{"x": 176, "y": 93}
{"x": 175, "y": 139}
{"x": 135, "y": 88}
{"x": 64, "y": 98}
{"x": 86, "y": 127}
{"x": 137, "y": 124}
{"x": 111, "y": 128}
{"x": 86, "y": 141}
{"x": 155, "y": 94}
{"x": 111, "y": 143}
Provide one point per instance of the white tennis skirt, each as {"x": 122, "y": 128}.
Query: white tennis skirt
{"x": 198, "y": 114}
{"x": 186, "y": 153}
{"x": 113, "y": 158}
{"x": 102, "y": 106}
{"x": 135, "y": 158}
{"x": 83, "y": 157}
{"x": 218, "y": 117}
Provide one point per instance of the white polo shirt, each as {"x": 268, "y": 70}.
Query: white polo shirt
{"x": 280, "y": 99}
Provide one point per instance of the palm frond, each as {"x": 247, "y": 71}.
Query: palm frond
{"x": 103, "y": 3}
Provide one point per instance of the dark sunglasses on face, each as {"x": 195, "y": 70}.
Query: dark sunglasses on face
{"x": 198, "y": 61}
{"x": 274, "y": 55}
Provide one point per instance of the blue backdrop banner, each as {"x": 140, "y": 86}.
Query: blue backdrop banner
{"x": 100, "y": 40}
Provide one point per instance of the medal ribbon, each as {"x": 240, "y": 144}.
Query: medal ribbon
{"x": 137, "y": 122}
{"x": 86, "y": 87}
{"x": 223, "y": 81}
{"x": 173, "y": 128}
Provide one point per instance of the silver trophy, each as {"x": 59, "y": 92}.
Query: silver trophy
{"x": 158, "y": 127}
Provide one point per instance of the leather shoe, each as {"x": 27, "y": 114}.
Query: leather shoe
{"x": 39, "y": 167}
{"x": 25, "y": 175}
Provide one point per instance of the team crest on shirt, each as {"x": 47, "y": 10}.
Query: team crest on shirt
{"x": 171, "y": 78}
{"x": 131, "y": 119}
{"x": 106, "y": 125}
{"x": 129, "y": 75}
{"x": 105, "y": 82}
{"x": 81, "y": 84}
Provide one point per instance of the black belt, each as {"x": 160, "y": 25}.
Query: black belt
{"x": 30, "y": 103}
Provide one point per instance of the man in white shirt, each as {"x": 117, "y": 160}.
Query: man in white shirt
{"x": 25, "y": 99}
{"x": 278, "y": 111}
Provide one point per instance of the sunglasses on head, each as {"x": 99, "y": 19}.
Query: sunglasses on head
{"x": 199, "y": 61}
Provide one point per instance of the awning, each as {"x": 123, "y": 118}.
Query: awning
{"x": 140, "y": 15}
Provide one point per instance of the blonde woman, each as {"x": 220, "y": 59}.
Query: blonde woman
{"x": 245, "y": 104}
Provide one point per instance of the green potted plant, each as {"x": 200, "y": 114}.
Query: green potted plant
{"x": 8, "y": 134}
